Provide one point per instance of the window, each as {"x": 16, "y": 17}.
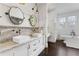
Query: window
{"x": 66, "y": 24}
{"x": 62, "y": 20}
{"x": 71, "y": 20}
{"x": 61, "y": 24}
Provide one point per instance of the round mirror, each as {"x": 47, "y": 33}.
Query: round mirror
{"x": 16, "y": 15}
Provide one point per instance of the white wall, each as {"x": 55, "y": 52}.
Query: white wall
{"x": 5, "y": 21}
{"x": 27, "y": 9}
{"x": 42, "y": 14}
{"x": 76, "y": 28}
{"x": 43, "y": 18}
{"x": 59, "y": 10}
{"x": 52, "y": 25}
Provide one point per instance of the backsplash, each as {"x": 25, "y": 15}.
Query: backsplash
{"x": 8, "y": 32}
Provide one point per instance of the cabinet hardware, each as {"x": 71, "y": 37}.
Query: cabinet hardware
{"x": 0, "y": 16}
{"x": 34, "y": 44}
{"x": 28, "y": 46}
{"x": 34, "y": 50}
{"x": 13, "y": 54}
{"x": 6, "y": 13}
{"x": 39, "y": 41}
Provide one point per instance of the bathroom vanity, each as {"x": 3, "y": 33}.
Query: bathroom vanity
{"x": 32, "y": 47}
{"x": 22, "y": 20}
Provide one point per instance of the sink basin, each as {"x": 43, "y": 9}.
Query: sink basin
{"x": 21, "y": 39}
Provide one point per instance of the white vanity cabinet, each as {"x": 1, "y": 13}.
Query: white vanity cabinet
{"x": 31, "y": 48}
{"x": 36, "y": 47}
{"x": 20, "y": 51}
{"x": 16, "y": 51}
{"x": 7, "y": 53}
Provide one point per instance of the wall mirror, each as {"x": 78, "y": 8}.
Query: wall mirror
{"x": 33, "y": 20}
{"x": 16, "y": 15}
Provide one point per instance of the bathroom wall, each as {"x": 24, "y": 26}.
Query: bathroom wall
{"x": 25, "y": 27}
{"x": 6, "y": 33}
{"x": 43, "y": 18}
{"x": 27, "y": 9}
{"x": 42, "y": 14}
{"x": 4, "y": 19}
{"x": 52, "y": 14}
{"x": 68, "y": 29}
{"x": 6, "y": 24}
{"x": 61, "y": 10}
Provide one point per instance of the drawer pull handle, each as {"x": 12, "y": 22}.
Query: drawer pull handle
{"x": 13, "y": 54}
{"x": 34, "y": 50}
{"x": 28, "y": 46}
{"x": 39, "y": 41}
{"x": 34, "y": 44}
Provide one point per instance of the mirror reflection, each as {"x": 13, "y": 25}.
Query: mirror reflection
{"x": 16, "y": 15}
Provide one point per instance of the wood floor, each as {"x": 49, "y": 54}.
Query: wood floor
{"x": 60, "y": 49}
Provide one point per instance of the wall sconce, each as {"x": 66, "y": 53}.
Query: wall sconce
{"x": 35, "y": 8}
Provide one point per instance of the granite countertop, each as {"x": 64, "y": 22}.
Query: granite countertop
{"x": 10, "y": 44}
{"x": 7, "y": 45}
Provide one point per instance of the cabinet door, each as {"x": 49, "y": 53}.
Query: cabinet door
{"x": 41, "y": 41}
{"x": 41, "y": 45}
{"x": 20, "y": 51}
{"x": 36, "y": 46}
{"x": 7, "y": 53}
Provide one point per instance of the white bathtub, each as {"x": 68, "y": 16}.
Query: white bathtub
{"x": 71, "y": 41}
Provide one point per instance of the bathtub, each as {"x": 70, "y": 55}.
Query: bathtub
{"x": 71, "y": 41}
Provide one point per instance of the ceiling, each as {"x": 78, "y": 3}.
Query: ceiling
{"x": 63, "y": 7}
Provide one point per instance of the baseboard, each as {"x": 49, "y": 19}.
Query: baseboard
{"x": 51, "y": 42}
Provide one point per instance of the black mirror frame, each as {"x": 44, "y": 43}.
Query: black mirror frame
{"x": 18, "y": 18}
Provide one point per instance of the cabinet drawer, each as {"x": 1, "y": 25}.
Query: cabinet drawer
{"x": 33, "y": 47}
{"x": 34, "y": 44}
{"x": 36, "y": 51}
{"x": 33, "y": 52}
{"x": 41, "y": 41}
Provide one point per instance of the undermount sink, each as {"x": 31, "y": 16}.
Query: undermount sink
{"x": 21, "y": 39}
